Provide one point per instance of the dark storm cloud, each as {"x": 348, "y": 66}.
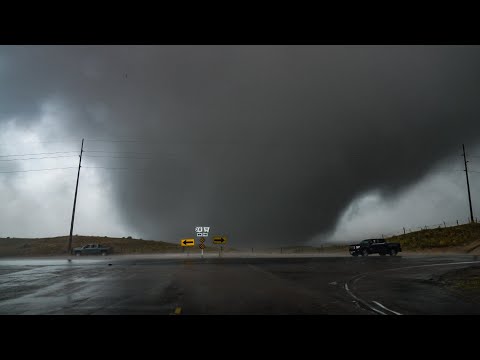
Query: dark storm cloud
{"x": 264, "y": 143}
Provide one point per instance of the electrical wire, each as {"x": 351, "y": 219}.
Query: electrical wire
{"x": 116, "y": 157}
{"x": 46, "y": 153}
{"x": 40, "y": 158}
{"x": 119, "y": 152}
{"x": 106, "y": 140}
{"x": 17, "y": 171}
{"x": 112, "y": 168}
{"x": 40, "y": 142}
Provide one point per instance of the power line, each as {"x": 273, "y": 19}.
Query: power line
{"x": 106, "y": 140}
{"x": 38, "y": 142}
{"x": 112, "y": 168}
{"x": 39, "y": 158}
{"x": 45, "y": 153}
{"x": 17, "y": 171}
{"x": 117, "y": 157}
{"x": 119, "y": 152}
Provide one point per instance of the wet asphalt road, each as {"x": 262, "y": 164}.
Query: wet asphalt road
{"x": 233, "y": 285}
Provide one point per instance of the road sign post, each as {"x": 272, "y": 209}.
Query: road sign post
{"x": 202, "y": 245}
{"x": 202, "y": 232}
{"x": 220, "y": 240}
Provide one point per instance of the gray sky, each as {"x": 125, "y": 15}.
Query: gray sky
{"x": 267, "y": 144}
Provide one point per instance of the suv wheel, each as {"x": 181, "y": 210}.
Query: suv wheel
{"x": 393, "y": 252}
{"x": 364, "y": 253}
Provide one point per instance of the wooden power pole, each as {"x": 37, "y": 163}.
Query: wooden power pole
{"x": 75, "y": 201}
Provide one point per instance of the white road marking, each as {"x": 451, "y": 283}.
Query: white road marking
{"x": 400, "y": 268}
{"x": 376, "y": 310}
{"x": 384, "y": 307}
{"x": 363, "y": 302}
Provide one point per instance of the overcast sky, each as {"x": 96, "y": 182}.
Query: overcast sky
{"x": 266, "y": 144}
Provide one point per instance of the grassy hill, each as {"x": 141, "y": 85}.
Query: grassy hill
{"x": 58, "y": 245}
{"x": 462, "y": 236}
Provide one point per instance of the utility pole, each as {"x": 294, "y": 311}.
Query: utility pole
{"x": 75, "y": 201}
{"x": 468, "y": 184}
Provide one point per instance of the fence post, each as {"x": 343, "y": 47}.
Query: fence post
{"x": 444, "y": 224}
{"x": 457, "y": 222}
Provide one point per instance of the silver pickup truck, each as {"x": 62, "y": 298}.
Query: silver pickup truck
{"x": 92, "y": 249}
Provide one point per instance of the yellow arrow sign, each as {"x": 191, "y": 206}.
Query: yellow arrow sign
{"x": 187, "y": 242}
{"x": 220, "y": 240}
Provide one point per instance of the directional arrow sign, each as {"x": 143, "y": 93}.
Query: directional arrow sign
{"x": 220, "y": 240}
{"x": 187, "y": 242}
